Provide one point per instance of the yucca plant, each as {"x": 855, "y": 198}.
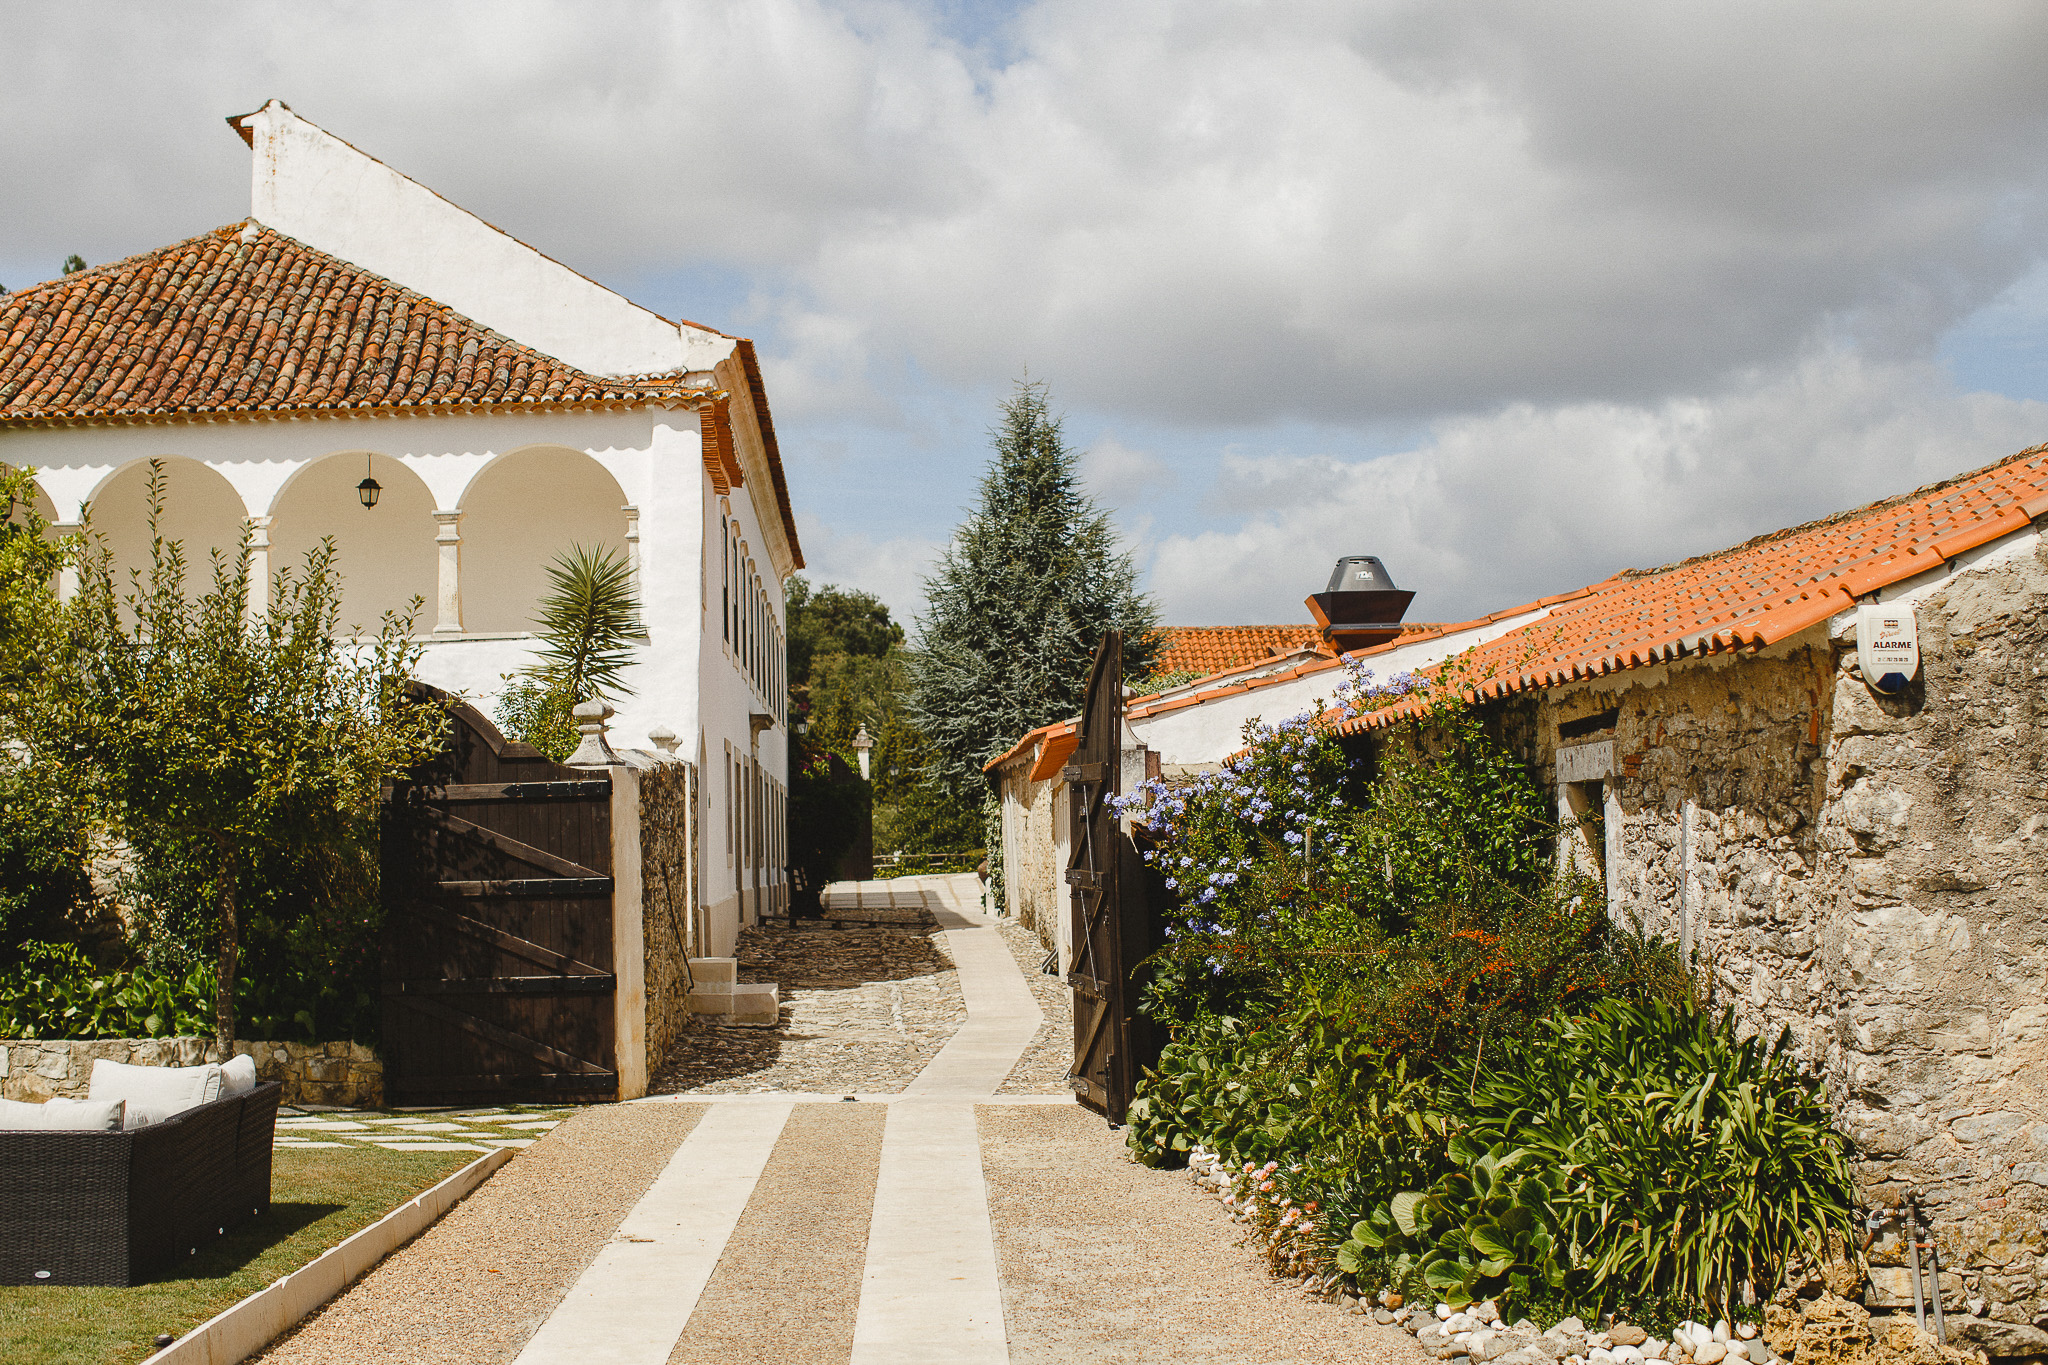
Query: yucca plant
{"x": 589, "y": 622}
{"x": 587, "y": 625}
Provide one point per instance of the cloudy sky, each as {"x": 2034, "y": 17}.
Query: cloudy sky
{"x": 1511, "y": 295}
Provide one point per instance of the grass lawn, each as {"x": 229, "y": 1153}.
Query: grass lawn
{"x": 317, "y": 1198}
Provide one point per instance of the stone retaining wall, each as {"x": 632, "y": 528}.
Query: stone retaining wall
{"x": 313, "y": 1073}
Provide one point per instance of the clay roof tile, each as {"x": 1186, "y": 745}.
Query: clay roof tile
{"x": 245, "y": 319}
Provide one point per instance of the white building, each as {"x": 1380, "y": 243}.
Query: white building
{"x": 357, "y": 325}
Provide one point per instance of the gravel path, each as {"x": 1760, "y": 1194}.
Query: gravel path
{"x": 475, "y": 1286}
{"x": 863, "y": 1010}
{"x": 1042, "y": 1070}
{"x": 788, "y": 1285}
{"x": 1106, "y": 1261}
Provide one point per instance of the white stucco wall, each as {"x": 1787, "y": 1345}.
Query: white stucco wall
{"x": 1210, "y": 732}
{"x": 312, "y": 186}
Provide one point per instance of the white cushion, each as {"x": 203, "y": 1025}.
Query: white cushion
{"x": 102, "y": 1116}
{"x": 238, "y": 1075}
{"x": 161, "y": 1090}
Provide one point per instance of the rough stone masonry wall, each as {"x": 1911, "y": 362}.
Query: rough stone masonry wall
{"x": 1869, "y": 872}
{"x": 1032, "y": 882}
{"x": 346, "y": 1074}
{"x": 668, "y": 894}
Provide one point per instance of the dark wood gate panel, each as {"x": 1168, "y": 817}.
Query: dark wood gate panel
{"x": 498, "y": 976}
{"x": 1114, "y": 926}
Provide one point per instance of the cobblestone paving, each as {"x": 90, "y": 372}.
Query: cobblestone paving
{"x": 1042, "y": 1070}
{"x": 427, "y": 1130}
{"x": 862, "y": 1011}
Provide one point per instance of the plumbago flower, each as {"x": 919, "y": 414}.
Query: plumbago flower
{"x": 1258, "y": 849}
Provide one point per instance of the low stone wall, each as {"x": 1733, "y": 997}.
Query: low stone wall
{"x": 313, "y": 1073}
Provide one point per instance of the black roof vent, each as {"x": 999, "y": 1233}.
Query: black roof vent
{"x": 1361, "y": 607}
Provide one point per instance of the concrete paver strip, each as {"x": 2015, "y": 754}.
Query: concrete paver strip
{"x": 630, "y": 1305}
{"x": 788, "y": 1286}
{"x": 930, "y": 1291}
{"x": 1104, "y": 1260}
{"x": 1002, "y": 1017}
{"x": 472, "y": 1288}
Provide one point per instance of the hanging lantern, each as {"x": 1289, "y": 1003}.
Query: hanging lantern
{"x": 369, "y": 490}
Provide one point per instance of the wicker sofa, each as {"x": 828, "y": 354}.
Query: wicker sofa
{"x": 118, "y": 1208}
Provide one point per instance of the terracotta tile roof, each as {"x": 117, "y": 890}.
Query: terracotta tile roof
{"x": 1211, "y": 649}
{"x": 1222, "y": 684}
{"x": 1048, "y": 747}
{"x": 1760, "y": 592}
{"x": 246, "y": 320}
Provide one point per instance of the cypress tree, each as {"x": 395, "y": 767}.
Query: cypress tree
{"x": 1019, "y": 601}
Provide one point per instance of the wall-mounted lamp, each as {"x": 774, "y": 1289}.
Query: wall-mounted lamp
{"x": 861, "y": 746}
{"x": 369, "y": 490}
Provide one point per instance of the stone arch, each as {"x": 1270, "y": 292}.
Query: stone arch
{"x": 201, "y": 509}
{"x": 518, "y": 513}
{"x": 385, "y": 554}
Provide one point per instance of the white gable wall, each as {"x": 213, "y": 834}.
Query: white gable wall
{"x": 312, "y": 186}
{"x": 1206, "y": 734}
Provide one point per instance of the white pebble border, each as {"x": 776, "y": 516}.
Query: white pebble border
{"x": 1477, "y": 1336}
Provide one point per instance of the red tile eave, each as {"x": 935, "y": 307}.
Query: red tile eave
{"x": 751, "y": 364}
{"x": 1774, "y": 587}
{"x": 1030, "y": 739}
{"x": 1053, "y": 755}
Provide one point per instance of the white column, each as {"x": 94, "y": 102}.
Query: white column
{"x": 448, "y": 602}
{"x": 259, "y": 567}
{"x": 633, "y": 544}
{"x": 67, "y": 576}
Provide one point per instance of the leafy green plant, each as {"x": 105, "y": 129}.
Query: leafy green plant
{"x": 187, "y": 718}
{"x": 1484, "y": 1230}
{"x": 57, "y": 993}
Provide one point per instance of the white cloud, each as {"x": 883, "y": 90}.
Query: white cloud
{"x": 1492, "y": 511}
{"x": 1189, "y": 210}
{"x": 1116, "y": 475}
{"x": 892, "y": 568}
{"x": 1652, "y": 276}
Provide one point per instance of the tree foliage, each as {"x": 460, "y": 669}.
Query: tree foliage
{"x": 188, "y": 720}
{"x": 1019, "y": 601}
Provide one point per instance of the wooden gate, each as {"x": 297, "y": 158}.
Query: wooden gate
{"x": 498, "y": 976}
{"x": 1114, "y": 928}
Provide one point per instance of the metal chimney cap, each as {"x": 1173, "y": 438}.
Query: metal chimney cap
{"x": 1360, "y": 573}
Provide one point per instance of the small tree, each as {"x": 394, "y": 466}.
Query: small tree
{"x": 193, "y": 721}
{"x": 73, "y": 264}
{"x": 1020, "y": 599}
{"x": 588, "y": 624}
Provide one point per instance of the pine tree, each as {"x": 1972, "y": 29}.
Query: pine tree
{"x": 1019, "y": 601}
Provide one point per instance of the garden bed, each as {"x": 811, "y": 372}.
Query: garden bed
{"x": 317, "y": 1199}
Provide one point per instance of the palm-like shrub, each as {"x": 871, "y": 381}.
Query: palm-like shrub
{"x": 587, "y": 626}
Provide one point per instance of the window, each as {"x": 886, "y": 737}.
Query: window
{"x": 1587, "y": 802}
{"x": 725, "y": 580}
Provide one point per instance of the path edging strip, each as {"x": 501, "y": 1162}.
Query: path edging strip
{"x": 244, "y": 1328}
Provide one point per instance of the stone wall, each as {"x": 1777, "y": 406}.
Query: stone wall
{"x": 313, "y": 1073}
{"x": 1867, "y": 872}
{"x": 1032, "y": 886}
{"x": 668, "y": 890}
